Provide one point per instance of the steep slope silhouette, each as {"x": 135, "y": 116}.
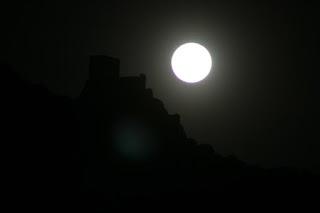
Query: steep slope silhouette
{"x": 116, "y": 149}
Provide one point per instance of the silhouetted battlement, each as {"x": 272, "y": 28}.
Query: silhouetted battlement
{"x": 104, "y": 72}
{"x": 105, "y": 88}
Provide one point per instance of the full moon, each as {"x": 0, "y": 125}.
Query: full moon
{"x": 191, "y": 62}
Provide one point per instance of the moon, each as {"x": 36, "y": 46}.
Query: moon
{"x": 191, "y": 62}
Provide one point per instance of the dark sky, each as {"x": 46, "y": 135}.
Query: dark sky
{"x": 259, "y": 101}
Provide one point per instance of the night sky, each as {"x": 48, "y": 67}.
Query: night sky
{"x": 258, "y": 102}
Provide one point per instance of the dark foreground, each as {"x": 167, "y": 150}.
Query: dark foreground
{"x": 116, "y": 149}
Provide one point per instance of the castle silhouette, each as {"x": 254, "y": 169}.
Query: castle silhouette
{"x": 111, "y": 97}
{"x": 115, "y": 148}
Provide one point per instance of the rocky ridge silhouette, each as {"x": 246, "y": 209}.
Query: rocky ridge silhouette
{"x": 115, "y": 148}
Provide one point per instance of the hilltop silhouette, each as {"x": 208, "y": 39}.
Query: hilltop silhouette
{"x": 115, "y": 148}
